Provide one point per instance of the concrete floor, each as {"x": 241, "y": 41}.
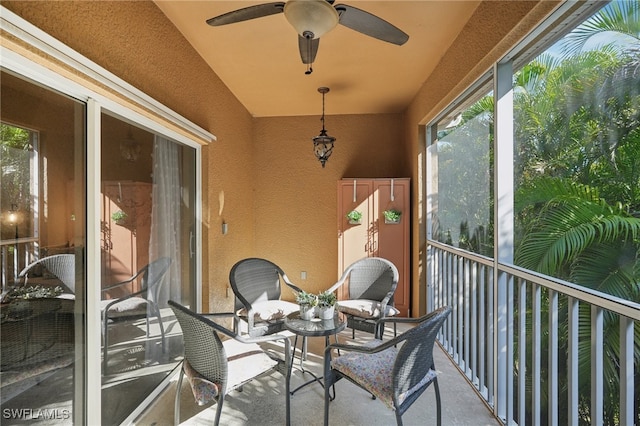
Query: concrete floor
{"x": 262, "y": 401}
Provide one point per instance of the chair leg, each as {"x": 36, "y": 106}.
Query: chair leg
{"x": 105, "y": 339}
{"x": 161, "y": 329}
{"x": 327, "y": 398}
{"x": 176, "y": 408}
{"x": 438, "y": 406}
{"x": 219, "y": 409}
{"x": 378, "y": 332}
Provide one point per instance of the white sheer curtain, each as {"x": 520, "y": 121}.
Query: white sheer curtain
{"x": 165, "y": 215}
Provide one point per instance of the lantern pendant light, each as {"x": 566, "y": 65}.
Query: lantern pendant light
{"x": 323, "y": 143}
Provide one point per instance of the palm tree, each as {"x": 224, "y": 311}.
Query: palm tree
{"x": 578, "y": 203}
{"x": 574, "y": 234}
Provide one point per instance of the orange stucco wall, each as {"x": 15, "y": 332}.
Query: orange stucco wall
{"x": 296, "y": 199}
{"x": 260, "y": 176}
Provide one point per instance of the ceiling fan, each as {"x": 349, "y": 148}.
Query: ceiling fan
{"x": 314, "y": 18}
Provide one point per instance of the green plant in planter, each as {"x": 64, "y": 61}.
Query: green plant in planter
{"x": 354, "y": 216}
{"x": 32, "y": 292}
{"x": 392, "y": 215}
{"x": 306, "y": 299}
{"x": 118, "y": 216}
{"x": 326, "y": 299}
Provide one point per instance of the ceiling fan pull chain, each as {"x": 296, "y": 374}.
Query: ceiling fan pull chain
{"x": 309, "y": 37}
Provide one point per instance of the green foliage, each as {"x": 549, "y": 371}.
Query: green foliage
{"x": 306, "y": 299}
{"x": 566, "y": 221}
{"x": 326, "y": 299}
{"x": 577, "y": 175}
{"x": 15, "y": 157}
{"x": 392, "y": 215}
{"x": 354, "y": 216}
{"x": 32, "y": 292}
{"x": 14, "y": 137}
{"x": 118, "y": 216}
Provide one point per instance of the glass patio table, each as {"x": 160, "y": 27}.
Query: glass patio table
{"x": 315, "y": 327}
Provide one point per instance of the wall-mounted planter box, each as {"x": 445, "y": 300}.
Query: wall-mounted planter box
{"x": 354, "y": 217}
{"x": 392, "y": 216}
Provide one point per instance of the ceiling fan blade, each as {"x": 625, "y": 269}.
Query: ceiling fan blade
{"x": 244, "y": 14}
{"x": 371, "y": 25}
{"x": 308, "y": 49}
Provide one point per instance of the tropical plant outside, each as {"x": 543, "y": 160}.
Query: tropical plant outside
{"x": 577, "y": 180}
{"x": 16, "y": 150}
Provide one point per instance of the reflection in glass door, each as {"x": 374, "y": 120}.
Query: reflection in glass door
{"x": 147, "y": 226}
{"x": 43, "y": 240}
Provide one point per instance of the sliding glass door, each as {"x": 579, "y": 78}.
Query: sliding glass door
{"x": 147, "y": 245}
{"x": 147, "y": 258}
{"x": 43, "y": 241}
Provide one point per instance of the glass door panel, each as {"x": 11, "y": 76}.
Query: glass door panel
{"x": 43, "y": 240}
{"x": 147, "y": 236}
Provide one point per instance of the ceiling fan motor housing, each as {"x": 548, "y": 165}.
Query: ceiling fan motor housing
{"x": 315, "y": 16}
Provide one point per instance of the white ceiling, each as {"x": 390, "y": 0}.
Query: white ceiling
{"x": 258, "y": 60}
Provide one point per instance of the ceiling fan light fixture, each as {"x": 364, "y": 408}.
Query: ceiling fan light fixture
{"x": 315, "y": 16}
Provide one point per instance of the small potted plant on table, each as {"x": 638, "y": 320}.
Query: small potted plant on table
{"x": 326, "y": 305}
{"x": 307, "y": 302}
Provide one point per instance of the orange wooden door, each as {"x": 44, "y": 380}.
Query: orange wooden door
{"x": 393, "y": 239}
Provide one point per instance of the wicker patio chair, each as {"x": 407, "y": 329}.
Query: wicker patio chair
{"x": 397, "y": 371}
{"x": 214, "y": 368}
{"x": 63, "y": 266}
{"x": 371, "y": 282}
{"x": 141, "y": 303}
{"x": 256, "y": 284}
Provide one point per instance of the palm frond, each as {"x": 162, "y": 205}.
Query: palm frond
{"x": 568, "y": 225}
{"x": 618, "y": 17}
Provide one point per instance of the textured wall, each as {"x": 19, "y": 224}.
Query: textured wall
{"x": 296, "y": 199}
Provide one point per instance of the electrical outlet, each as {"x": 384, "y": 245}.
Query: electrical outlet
{"x": 303, "y": 275}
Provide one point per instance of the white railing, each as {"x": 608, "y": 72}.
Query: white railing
{"x": 14, "y": 256}
{"x": 525, "y": 341}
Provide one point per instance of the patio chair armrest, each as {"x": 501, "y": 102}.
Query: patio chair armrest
{"x": 291, "y": 285}
{"x": 361, "y": 348}
{"x": 261, "y": 339}
{"x": 125, "y": 297}
{"x": 335, "y": 286}
{"x": 119, "y": 284}
{"x": 243, "y": 338}
{"x": 220, "y": 314}
{"x": 212, "y": 317}
{"x": 399, "y": 320}
{"x": 269, "y": 338}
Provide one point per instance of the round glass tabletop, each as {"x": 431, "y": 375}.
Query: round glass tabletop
{"x": 315, "y": 326}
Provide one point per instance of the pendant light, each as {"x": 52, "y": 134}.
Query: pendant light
{"x": 323, "y": 143}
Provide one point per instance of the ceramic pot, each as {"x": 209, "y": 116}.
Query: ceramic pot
{"x": 326, "y": 313}
{"x": 307, "y": 312}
